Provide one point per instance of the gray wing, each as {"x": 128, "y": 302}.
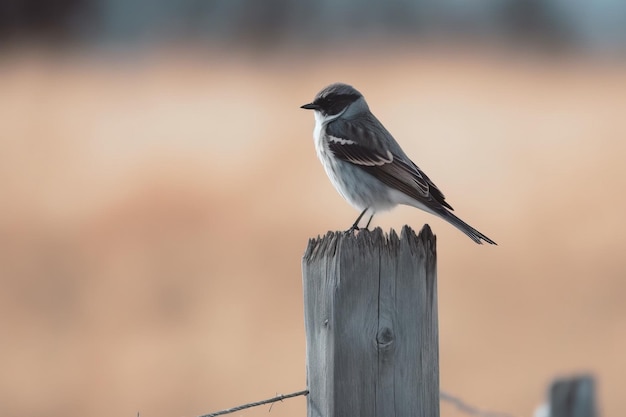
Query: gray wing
{"x": 359, "y": 143}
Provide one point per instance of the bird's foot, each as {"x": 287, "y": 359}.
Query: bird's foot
{"x": 355, "y": 226}
{"x": 352, "y": 229}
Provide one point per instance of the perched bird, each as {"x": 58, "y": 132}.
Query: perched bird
{"x": 365, "y": 163}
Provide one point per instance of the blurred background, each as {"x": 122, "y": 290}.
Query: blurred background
{"x": 159, "y": 185}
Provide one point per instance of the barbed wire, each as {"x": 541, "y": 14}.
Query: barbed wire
{"x": 443, "y": 396}
{"x": 255, "y": 404}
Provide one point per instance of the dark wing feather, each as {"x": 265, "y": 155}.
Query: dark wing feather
{"x": 350, "y": 151}
{"x": 391, "y": 168}
{"x": 434, "y": 191}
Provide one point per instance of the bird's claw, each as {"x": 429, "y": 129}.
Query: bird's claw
{"x": 353, "y": 228}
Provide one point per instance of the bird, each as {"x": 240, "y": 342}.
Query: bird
{"x": 367, "y": 166}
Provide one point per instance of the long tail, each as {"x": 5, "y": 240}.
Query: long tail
{"x": 474, "y": 234}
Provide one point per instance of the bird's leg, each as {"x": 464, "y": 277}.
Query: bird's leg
{"x": 355, "y": 226}
{"x": 368, "y": 222}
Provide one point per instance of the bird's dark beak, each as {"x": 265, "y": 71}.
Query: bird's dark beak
{"x": 310, "y": 106}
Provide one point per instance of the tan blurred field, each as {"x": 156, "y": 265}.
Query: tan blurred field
{"x": 155, "y": 207}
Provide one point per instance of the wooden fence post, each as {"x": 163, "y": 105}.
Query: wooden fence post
{"x": 370, "y": 304}
{"x": 573, "y": 397}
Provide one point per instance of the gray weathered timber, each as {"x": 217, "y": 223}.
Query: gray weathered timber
{"x": 573, "y": 397}
{"x": 370, "y": 305}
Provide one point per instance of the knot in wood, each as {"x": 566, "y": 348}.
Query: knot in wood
{"x": 385, "y": 337}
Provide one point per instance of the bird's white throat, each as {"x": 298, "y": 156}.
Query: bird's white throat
{"x": 321, "y": 121}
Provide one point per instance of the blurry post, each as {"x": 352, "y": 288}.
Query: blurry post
{"x": 370, "y": 305}
{"x": 573, "y": 397}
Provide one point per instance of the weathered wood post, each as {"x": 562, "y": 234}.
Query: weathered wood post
{"x": 573, "y": 397}
{"x": 370, "y": 304}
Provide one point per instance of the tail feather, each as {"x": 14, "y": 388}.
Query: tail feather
{"x": 474, "y": 234}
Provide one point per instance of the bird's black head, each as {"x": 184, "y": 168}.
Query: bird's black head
{"x": 333, "y": 99}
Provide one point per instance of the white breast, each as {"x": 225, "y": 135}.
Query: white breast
{"x": 317, "y": 132}
{"x": 318, "y": 135}
{"x": 361, "y": 191}
{"x": 328, "y": 161}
